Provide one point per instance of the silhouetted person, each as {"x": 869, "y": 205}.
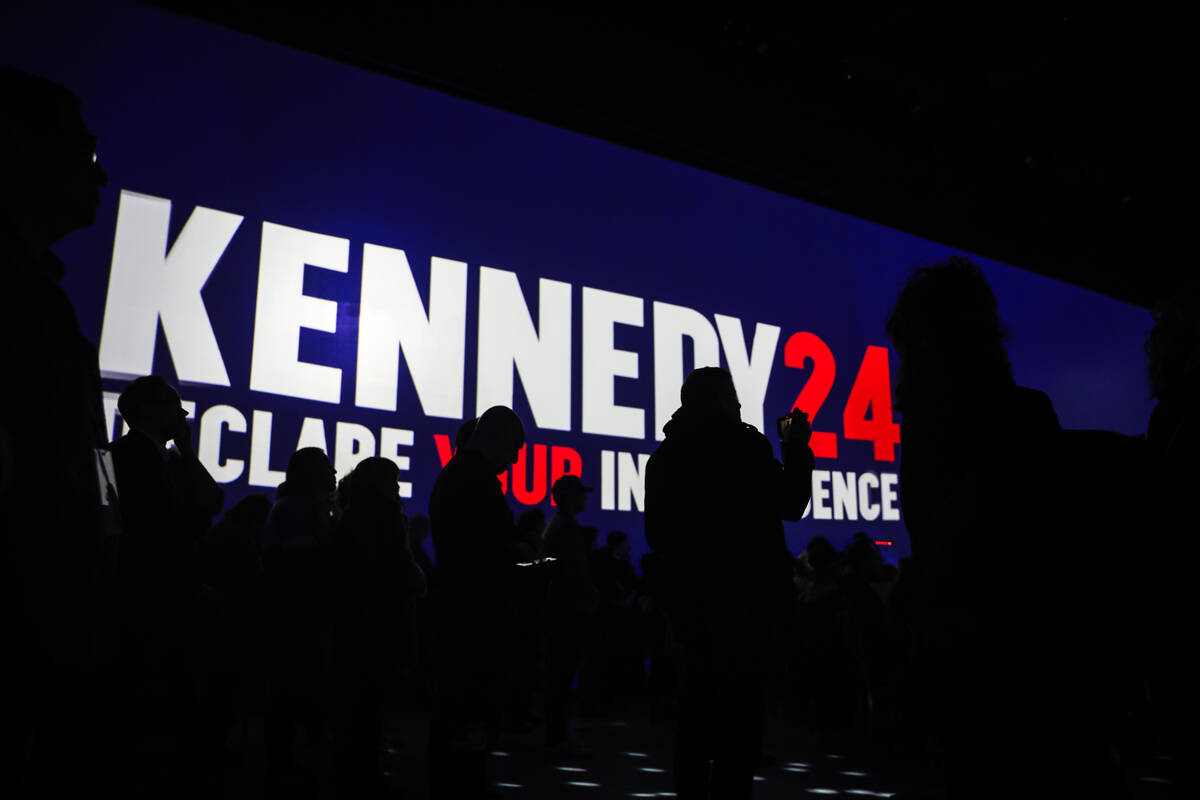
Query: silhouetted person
{"x": 341, "y": 498}
{"x": 617, "y": 577}
{"x": 591, "y": 536}
{"x": 656, "y": 641}
{"x": 613, "y": 666}
{"x": 58, "y": 553}
{"x": 530, "y": 526}
{"x": 866, "y": 560}
{"x": 375, "y": 584}
{"x": 418, "y": 532}
{"x": 590, "y": 694}
{"x": 229, "y": 571}
{"x": 525, "y": 621}
{"x": 421, "y": 670}
{"x": 711, "y": 475}
{"x": 295, "y": 571}
{"x": 982, "y": 458}
{"x": 168, "y": 500}
{"x": 472, "y": 528}
{"x": 826, "y": 666}
{"x": 1168, "y": 562}
{"x": 863, "y": 626}
{"x": 570, "y": 604}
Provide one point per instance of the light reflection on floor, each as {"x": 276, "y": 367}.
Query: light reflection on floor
{"x": 521, "y": 769}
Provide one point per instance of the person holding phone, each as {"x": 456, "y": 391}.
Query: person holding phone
{"x": 711, "y": 475}
{"x": 167, "y": 502}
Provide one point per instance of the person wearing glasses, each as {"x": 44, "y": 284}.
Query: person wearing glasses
{"x": 58, "y": 501}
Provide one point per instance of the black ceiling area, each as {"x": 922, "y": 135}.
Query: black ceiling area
{"x": 1049, "y": 138}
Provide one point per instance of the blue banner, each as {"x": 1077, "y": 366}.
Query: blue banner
{"x": 320, "y": 255}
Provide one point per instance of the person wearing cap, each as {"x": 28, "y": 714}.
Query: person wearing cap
{"x": 472, "y": 528}
{"x": 711, "y": 475}
{"x": 570, "y": 603}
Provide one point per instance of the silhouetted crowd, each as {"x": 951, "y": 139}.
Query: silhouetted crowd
{"x": 146, "y": 628}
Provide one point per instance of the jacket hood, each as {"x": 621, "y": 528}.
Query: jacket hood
{"x": 689, "y": 420}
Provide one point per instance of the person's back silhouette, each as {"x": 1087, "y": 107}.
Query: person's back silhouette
{"x": 571, "y": 600}
{"x": 711, "y": 475}
{"x": 229, "y": 570}
{"x": 374, "y": 586}
{"x": 983, "y": 460}
{"x": 1167, "y": 562}
{"x": 295, "y": 572}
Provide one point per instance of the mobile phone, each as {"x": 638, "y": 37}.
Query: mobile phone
{"x": 783, "y": 423}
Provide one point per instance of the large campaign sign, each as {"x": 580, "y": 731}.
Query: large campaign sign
{"x": 323, "y": 256}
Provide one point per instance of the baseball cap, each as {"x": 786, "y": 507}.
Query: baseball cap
{"x": 569, "y": 483}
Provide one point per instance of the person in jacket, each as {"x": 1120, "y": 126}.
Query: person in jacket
{"x": 57, "y": 532}
{"x": 984, "y": 458}
{"x": 374, "y": 588}
{"x": 167, "y": 502}
{"x": 1165, "y": 571}
{"x": 295, "y": 548}
{"x": 571, "y": 601}
{"x": 713, "y": 474}
{"x": 472, "y": 529}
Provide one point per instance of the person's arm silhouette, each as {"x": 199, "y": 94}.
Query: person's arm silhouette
{"x": 794, "y": 487}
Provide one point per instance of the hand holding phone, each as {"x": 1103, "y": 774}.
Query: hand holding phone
{"x": 794, "y": 427}
{"x": 182, "y": 434}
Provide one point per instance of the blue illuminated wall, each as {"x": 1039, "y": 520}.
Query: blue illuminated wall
{"x": 302, "y": 148}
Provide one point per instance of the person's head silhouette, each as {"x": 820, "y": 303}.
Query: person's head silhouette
{"x": 374, "y": 481}
{"x": 864, "y": 558}
{"x": 498, "y": 437}
{"x": 710, "y": 390}
{"x": 946, "y": 327}
{"x": 570, "y": 494}
{"x": 821, "y": 554}
{"x": 151, "y": 406}
{"x": 618, "y": 544}
{"x": 48, "y": 162}
{"x": 309, "y": 474}
{"x": 250, "y": 512}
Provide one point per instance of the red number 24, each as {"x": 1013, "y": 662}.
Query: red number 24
{"x": 871, "y": 394}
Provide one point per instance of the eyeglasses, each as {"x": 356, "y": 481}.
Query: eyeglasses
{"x": 82, "y": 142}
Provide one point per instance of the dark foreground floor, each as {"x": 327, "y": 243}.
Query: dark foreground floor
{"x": 630, "y": 757}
